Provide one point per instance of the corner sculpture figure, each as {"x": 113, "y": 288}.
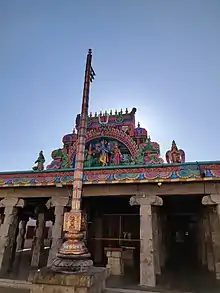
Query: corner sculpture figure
{"x": 175, "y": 155}
{"x": 40, "y": 162}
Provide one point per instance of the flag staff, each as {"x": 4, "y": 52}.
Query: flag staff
{"x": 73, "y": 255}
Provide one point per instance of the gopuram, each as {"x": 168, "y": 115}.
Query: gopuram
{"x": 118, "y": 203}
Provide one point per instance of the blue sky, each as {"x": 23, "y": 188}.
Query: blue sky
{"x": 161, "y": 57}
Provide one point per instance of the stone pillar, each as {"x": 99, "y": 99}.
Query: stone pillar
{"x": 8, "y": 231}
{"x": 98, "y": 248}
{"x": 147, "y": 263}
{"x": 162, "y": 245}
{"x": 208, "y": 242}
{"x": 38, "y": 245}
{"x": 204, "y": 244}
{"x": 21, "y": 234}
{"x": 59, "y": 204}
{"x": 214, "y": 222}
{"x": 201, "y": 241}
{"x": 49, "y": 235}
{"x": 155, "y": 225}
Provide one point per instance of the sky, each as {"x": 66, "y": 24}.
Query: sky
{"x": 161, "y": 57}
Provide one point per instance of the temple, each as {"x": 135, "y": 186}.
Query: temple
{"x": 142, "y": 214}
{"x": 145, "y": 218}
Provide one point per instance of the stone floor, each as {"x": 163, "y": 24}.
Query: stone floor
{"x": 180, "y": 280}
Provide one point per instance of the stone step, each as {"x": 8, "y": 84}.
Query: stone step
{"x": 119, "y": 290}
{"x": 14, "y": 286}
{"x": 13, "y": 290}
{"x": 142, "y": 290}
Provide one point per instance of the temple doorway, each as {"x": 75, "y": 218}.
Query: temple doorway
{"x": 183, "y": 268}
{"x": 114, "y": 235}
{"x": 182, "y": 215}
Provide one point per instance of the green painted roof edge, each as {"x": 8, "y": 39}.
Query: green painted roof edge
{"x": 112, "y": 168}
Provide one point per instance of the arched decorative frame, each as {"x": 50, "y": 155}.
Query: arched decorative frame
{"x": 108, "y": 132}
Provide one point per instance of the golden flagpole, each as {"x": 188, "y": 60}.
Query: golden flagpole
{"x": 73, "y": 255}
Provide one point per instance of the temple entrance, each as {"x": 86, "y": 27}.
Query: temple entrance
{"x": 114, "y": 235}
{"x": 183, "y": 268}
{"x": 182, "y": 214}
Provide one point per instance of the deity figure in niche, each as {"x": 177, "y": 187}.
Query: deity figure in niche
{"x": 89, "y": 157}
{"x": 103, "y": 158}
{"x": 109, "y": 152}
{"x": 117, "y": 156}
{"x": 175, "y": 155}
{"x": 105, "y": 153}
{"x": 140, "y": 156}
{"x": 96, "y": 154}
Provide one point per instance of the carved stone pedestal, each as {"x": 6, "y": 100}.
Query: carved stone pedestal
{"x": 72, "y": 264}
{"x": 115, "y": 262}
{"x": 48, "y": 281}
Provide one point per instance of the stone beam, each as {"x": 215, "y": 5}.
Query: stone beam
{"x": 188, "y": 188}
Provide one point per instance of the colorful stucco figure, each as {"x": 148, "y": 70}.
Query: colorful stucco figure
{"x": 89, "y": 158}
{"x": 39, "y": 162}
{"x": 175, "y": 155}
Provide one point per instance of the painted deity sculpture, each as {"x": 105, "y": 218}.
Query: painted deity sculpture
{"x": 117, "y": 156}
{"x": 39, "y": 162}
{"x": 64, "y": 159}
{"x": 89, "y": 157}
{"x": 175, "y": 155}
{"x": 60, "y": 159}
{"x": 149, "y": 153}
{"x": 103, "y": 153}
{"x": 103, "y": 158}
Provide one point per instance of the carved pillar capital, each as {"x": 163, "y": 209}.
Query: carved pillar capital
{"x": 212, "y": 199}
{"x": 57, "y": 202}
{"x": 146, "y": 199}
{"x": 12, "y": 202}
